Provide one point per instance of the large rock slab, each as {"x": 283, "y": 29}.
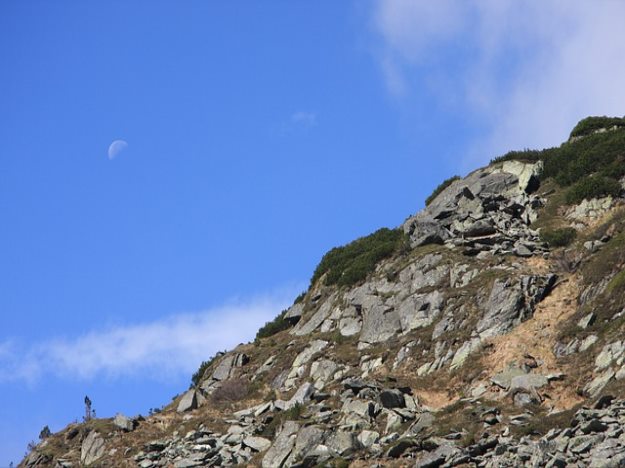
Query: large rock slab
{"x": 282, "y": 446}
{"x": 92, "y": 448}
{"x": 188, "y": 401}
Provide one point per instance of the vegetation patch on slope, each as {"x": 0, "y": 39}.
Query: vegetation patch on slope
{"x": 558, "y": 237}
{"x": 351, "y": 263}
{"x": 275, "y": 326}
{"x": 590, "y": 167}
{"x": 592, "y": 124}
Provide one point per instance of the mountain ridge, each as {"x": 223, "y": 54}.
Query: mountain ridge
{"x": 473, "y": 333}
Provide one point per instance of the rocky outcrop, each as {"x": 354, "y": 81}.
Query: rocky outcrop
{"x": 490, "y": 210}
{"x": 472, "y": 344}
{"x": 512, "y": 302}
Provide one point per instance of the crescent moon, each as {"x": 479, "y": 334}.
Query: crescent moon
{"x": 116, "y": 147}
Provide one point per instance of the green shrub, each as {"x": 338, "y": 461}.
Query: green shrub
{"x": 275, "y": 326}
{"x": 351, "y": 263}
{"x": 598, "y": 153}
{"x": 574, "y": 161}
{"x": 294, "y": 413}
{"x": 558, "y": 237}
{"x": 590, "y": 124}
{"x": 592, "y": 187}
{"x": 300, "y": 298}
{"x": 442, "y": 186}
{"x": 617, "y": 282}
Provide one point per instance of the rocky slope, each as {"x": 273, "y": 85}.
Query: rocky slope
{"x": 486, "y": 330}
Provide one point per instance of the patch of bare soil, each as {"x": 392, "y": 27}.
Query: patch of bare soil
{"x": 536, "y": 337}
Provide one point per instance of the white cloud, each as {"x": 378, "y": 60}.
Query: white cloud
{"x": 170, "y": 346}
{"x": 528, "y": 70}
{"x": 308, "y": 119}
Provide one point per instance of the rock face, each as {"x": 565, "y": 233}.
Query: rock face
{"x": 489, "y": 210}
{"x": 512, "y": 303}
{"x": 92, "y": 448}
{"x": 472, "y": 344}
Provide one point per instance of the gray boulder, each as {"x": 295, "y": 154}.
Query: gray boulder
{"x": 188, "y": 401}
{"x": 258, "y": 444}
{"x": 124, "y": 422}
{"x": 392, "y": 398}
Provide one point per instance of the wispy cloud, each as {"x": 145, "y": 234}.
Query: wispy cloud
{"x": 306, "y": 118}
{"x": 170, "y": 346}
{"x": 528, "y": 70}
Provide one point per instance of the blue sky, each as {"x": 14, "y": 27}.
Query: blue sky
{"x": 258, "y": 135}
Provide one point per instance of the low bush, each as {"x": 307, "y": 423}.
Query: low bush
{"x": 526, "y": 155}
{"x": 598, "y": 154}
{"x": 275, "y": 326}
{"x": 300, "y": 298}
{"x": 558, "y": 237}
{"x": 442, "y": 186}
{"x": 349, "y": 264}
{"x": 617, "y": 282}
{"x": 591, "y": 124}
{"x": 593, "y": 186}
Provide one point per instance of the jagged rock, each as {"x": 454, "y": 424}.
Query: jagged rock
{"x": 342, "y": 443}
{"x": 528, "y": 382}
{"x": 297, "y": 368}
{"x": 304, "y": 327}
{"x": 36, "y": 458}
{"x": 294, "y": 314}
{"x": 361, "y": 408}
{"x": 424, "y": 229}
{"x": 504, "y": 379}
{"x": 609, "y": 353}
{"x": 398, "y": 449}
{"x": 282, "y": 446}
{"x": 308, "y": 438}
{"x": 123, "y": 422}
{"x": 188, "y": 401}
{"x": 368, "y": 438}
{"x": 512, "y": 302}
{"x": 588, "y": 342}
{"x": 392, "y": 398}
{"x": 594, "y": 387}
{"x": 437, "y": 457}
{"x": 259, "y": 444}
{"x": 420, "y": 310}
{"x": 393, "y": 421}
{"x": 587, "y": 320}
{"x": 422, "y": 421}
{"x": 267, "y": 365}
{"x": 301, "y": 396}
{"x": 225, "y": 368}
{"x": 380, "y": 323}
{"x": 92, "y": 448}
{"x": 369, "y": 365}
{"x": 590, "y": 209}
{"x": 464, "y": 351}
